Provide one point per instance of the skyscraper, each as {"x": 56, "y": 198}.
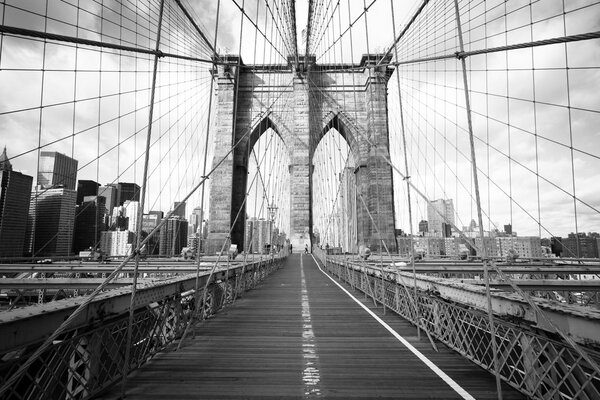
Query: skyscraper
{"x": 258, "y": 234}
{"x": 109, "y": 192}
{"x": 127, "y": 191}
{"x": 250, "y": 235}
{"x": 116, "y": 243}
{"x": 52, "y": 218}
{"x": 57, "y": 169}
{"x": 173, "y": 236}
{"x": 15, "y": 192}
{"x": 179, "y": 207}
{"x": 435, "y": 220}
{"x": 348, "y": 211}
{"x": 89, "y": 223}
{"x": 131, "y": 213}
{"x": 195, "y": 220}
{"x": 149, "y": 222}
{"x": 86, "y": 188}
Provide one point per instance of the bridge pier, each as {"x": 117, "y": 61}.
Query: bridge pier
{"x": 319, "y": 98}
{"x": 222, "y": 179}
{"x": 300, "y": 169}
{"x": 379, "y": 186}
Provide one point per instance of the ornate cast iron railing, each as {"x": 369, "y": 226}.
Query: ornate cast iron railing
{"x": 89, "y": 357}
{"x": 532, "y": 359}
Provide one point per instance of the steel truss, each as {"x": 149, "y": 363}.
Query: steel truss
{"x": 531, "y": 360}
{"x": 88, "y": 358}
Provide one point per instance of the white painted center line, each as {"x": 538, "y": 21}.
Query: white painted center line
{"x": 310, "y": 374}
{"x": 451, "y": 382}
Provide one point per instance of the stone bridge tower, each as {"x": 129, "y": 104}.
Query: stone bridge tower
{"x": 301, "y": 104}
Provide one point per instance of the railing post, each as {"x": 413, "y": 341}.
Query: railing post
{"x": 397, "y": 290}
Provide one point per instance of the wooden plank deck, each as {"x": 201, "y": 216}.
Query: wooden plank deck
{"x": 272, "y": 344}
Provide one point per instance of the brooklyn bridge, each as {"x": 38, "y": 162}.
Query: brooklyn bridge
{"x": 299, "y": 199}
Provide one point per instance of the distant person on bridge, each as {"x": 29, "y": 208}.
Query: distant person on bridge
{"x": 305, "y": 249}
{"x": 290, "y": 248}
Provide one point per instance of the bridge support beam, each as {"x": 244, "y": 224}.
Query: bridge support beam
{"x": 300, "y": 168}
{"x": 222, "y": 179}
{"x": 374, "y": 177}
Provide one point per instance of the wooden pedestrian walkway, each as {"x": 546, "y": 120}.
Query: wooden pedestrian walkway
{"x": 298, "y": 335}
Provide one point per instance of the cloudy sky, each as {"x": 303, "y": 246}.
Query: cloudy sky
{"x": 536, "y": 125}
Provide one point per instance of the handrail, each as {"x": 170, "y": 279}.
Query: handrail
{"x": 455, "y": 314}
{"x": 88, "y": 357}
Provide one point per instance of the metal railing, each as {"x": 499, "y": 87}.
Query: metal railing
{"x": 531, "y": 359}
{"x": 88, "y": 358}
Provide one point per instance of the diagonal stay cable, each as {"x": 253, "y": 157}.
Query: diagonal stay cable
{"x": 214, "y": 268}
{"x": 468, "y": 240}
{"x": 258, "y": 29}
{"x": 65, "y": 324}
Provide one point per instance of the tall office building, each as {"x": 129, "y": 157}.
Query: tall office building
{"x": 131, "y": 210}
{"x": 15, "y": 192}
{"x": 89, "y": 223}
{"x": 118, "y": 221}
{"x": 116, "y": 243}
{"x": 250, "y": 243}
{"x": 193, "y": 242}
{"x": 86, "y": 188}
{"x": 179, "y": 207}
{"x": 579, "y": 245}
{"x": 51, "y": 222}
{"x": 57, "y": 169}
{"x": 523, "y": 246}
{"x": 195, "y": 221}
{"x": 435, "y": 220}
{"x": 257, "y": 235}
{"x": 173, "y": 236}
{"x": 149, "y": 222}
{"x": 348, "y": 239}
{"x": 109, "y": 192}
{"x": 127, "y": 191}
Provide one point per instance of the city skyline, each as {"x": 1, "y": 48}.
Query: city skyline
{"x": 496, "y": 225}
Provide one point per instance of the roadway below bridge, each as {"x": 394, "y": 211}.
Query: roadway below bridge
{"x": 299, "y": 335}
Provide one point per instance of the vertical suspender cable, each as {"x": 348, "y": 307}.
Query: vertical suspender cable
{"x": 572, "y": 153}
{"x": 535, "y": 125}
{"x": 3, "y": 8}
{"x": 372, "y": 79}
{"x": 233, "y": 142}
{"x": 478, "y": 203}
{"x": 141, "y": 205}
{"x": 407, "y": 178}
{"x": 98, "y": 132}
{"x": 202, "y": 193}
{"x": 362, "y": 220}
{"x": 37, "y": 183}
{"x": 508, "y": 131}
{"x": 75, "y": 87}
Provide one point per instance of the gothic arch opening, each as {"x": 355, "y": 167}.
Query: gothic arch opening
{"x": 342, "y": 125}
{"x": 334, "y": 193}
{"x": 268, "y": 187}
